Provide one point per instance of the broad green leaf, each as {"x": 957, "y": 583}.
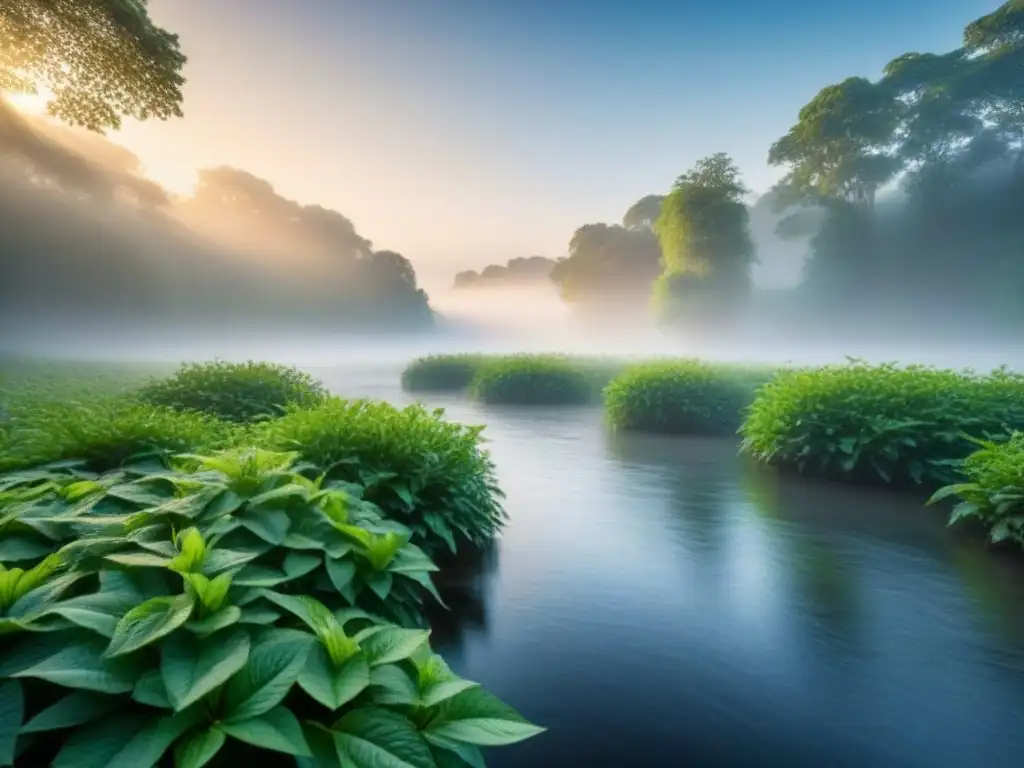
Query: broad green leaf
{"x": 298, "y": 564}
{"x": 15, "y": 549}
{"x": 139, "y": 559}
{"x": 334, "y": 686}
{"x": 341, "y": 574}
{"x": 271, "y": 525}
{"x": 141, "y": 492}
{"x": 477, "y": 717}
{"x": 323, "y": 753}
{"x": 38, "y": 599}
{"x": 259, "y": 576}
{"x": 389, "y": 645}
{"x": 277, "y": 730}
{"x": 454, "y": 754}
{"x": 224, "y": 503}
{"x": 279, "y": 497}
{"x": 445, "y": 689}
{"x": 423, "y": 579}
{"x": 149, "y": 745}
{"x": 151, "y": 691}
{"x": 100, "y": 611}
{"x": 275, "y": 661}
{"x": 391, "y": 686}
{"x": 192, "y": 667}
{"x": 198, "y": 749}
{"x": 97, "y": 745}
{"x": 148, "y": 622}
{"x": 225, "y": 617}
{"x": 377, "y": 738}
{"x": 380, "y": 582}
{"x": 74, "y": 709}
{"x": 219, "y": 560}
{"x": 12, "y": 711}
{"x": 82, "y": 665}
{"x": 259, "y": 615}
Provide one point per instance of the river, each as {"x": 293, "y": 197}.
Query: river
{"x": 663, "y": 602}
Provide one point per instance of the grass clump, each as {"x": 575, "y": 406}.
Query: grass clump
{"x": 217, "y": 609}
{"x": 993, "y": 493}
{"x": 682, "y": 397}
{"x": 104, "y": 432}
{"x": 236, "y": 392}
{"x": 429, "y": 474}
{"x": 882, "y": 423}
{"x": 536, "y": 380}
{"x": 441, "y": 373}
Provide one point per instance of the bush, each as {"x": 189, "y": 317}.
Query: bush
{"x": 421, "y": 470}
{"x": 103, "y": 433}
{"x": 216, "y": 615}
{"x": 994, "y": 492}
{"x": 880, "y": 423}
{"x": 681, "y": 397}
{"x": 441, "y": 373}
{"x": 237, "y": 392}
{"x": 535, "y": 380}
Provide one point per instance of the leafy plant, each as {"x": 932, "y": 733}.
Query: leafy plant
{"x": 102, "y": 432}
{"x": 880, "y": 422}
{"x": 195, "y": 612}
{"x": 427, "y": 473}
{"x": 993, "y": 493}
{"x": 535, "y": 380}
{"x": 439, "y": 373}
{"x": 237, "y": 392}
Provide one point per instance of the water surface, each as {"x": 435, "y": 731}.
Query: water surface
{"x": 663, "y": 602}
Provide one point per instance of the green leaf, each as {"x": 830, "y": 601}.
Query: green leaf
{"x": 277, "y": 730}
{"x": 275, "y": 662}
{"x": 445, "y": 689}
{"x": 97, "y": 745}
{"x": 341, "y": 574}
{"x": 380, "y": 582}
{"x": 324, "y": 754}
{"x": 192, "y": 667}
{"x": 149, "y": 745}
{"x": 139, "y": 560}
{"x": 225, "y": 617}
{"x": 15, "y": 549}
{"x": 12, "y": 711}
{"x": 298, "y": 564}
{"x": 259, "y": 615}
{"x": 148, "y": 622}
{"x": 82, "y": 665}
{"x": 454, "y": 754}
{"x": 74, "y": 709}
{"x": 259, "y": 576}
{"x": 199, "y": 749}
{"x": 271, "y": 525}
{"x": 334, "y": 686}
{"x": 150, "y": 690}
{"x": 100, "y": 611}
{"x": 392, "y": 686}
{"x": 377, "y": 738}
{"x": 423, "y": 579}
{"x": 219, "y": 560}
{"x": 477, "y": 717}
{"x": 390, "y": 645}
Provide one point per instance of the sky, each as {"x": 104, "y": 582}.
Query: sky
{"x": 467, "y": 132}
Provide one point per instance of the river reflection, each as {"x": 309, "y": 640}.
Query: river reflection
{"x": 659, "y": 601}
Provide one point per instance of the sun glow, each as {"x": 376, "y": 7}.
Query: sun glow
{"x": 29, "y": 103}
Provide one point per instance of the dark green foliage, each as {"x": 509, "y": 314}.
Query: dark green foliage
{"x": 425, "y": 472}
{"x": 103, "y": 432}
{"x": 536, "y": 380}
{"x": 993, "y": 493}
{"x": 682, "y": 396}
{"x": 439, "y": 373}
{"x": 880, "y": 423}
{"x": 197, "y": 610}
{"x": 238, "y": 392}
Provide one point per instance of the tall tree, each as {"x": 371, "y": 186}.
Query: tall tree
{"x": 643, "y": 213}
{"x": 607, "y": 262}
{"x": 100, "y": 59}
{"x": 704, "y": 233}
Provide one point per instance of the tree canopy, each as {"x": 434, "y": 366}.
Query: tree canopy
{"x": 101, "y": 60}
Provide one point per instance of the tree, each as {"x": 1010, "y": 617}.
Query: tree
{"x": 100, "y": 59}
{"x": 643, "y": 213}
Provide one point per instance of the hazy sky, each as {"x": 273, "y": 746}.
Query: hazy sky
{"x": 465, "y": 132}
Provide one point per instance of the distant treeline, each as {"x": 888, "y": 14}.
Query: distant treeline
{"x": 518, "y": 271}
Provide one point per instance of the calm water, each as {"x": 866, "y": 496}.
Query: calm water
{"x": 662, "y": 602}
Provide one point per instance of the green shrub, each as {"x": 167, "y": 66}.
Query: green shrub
{"x": 880, "y": 423}
{"x": 535, "y": 380}
{"x": 441, "y": 373}
{"x": 238, "y": 392}
{"x": 209, "y": 616}
{"x": 993, "y": 493}
{"x": 681, "y": 397}
{"x": 104, "y": 432}
{"x": 427, "y": 473}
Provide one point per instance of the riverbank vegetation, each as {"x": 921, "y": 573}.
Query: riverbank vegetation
{"x": 174, "y": 583}
{"x": 683, "y": 396}
{"x": 441, "y": 373}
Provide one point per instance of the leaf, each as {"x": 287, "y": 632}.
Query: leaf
{"x": 100, "y": 611}
{"x": 454, "y": 754}
{"x": 423, "y": 579}
{"x": 148, "y": 622}
{"x": 275, "y": 662}
{"x": 477, "y": 717}
{"x": 225, "y": 617}
{"x": 277, "y": 730}
{"x": 271, "y": 525}
{"x": 334, "y": 686}
{"x": 74, "y": 709}
{"x": 15, "y": 549}
{"x": 218, "y": 560}
{"x": 150, "y": 690}
{"x": 192, "y": 667}
{"x": 445, "y": 689}
{"x": 139, "y": 560}
{"x": 392, "y": 686}
{"x": 377, "y": 738}
{"x": 199, "y": 749}
{"x": 390, "y": 645}
{"x": 341, "y": 574}
{"x": 12, "y": 710}
{"x": 97, "y": 745}
{"x": 82, "y": 665}
{"x": 324, "y": 754}
{"x": 298, "y": 564}
{"x": 380, "y": 582}
{"x": 259, "y": 576}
